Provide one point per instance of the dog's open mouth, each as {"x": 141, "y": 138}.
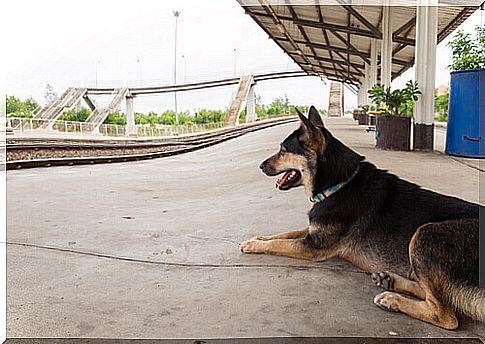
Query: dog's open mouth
{"x": 289, "y": 179}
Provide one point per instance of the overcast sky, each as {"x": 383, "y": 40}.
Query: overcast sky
{"x": 66, "y": 43}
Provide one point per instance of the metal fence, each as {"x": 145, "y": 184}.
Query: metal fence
{"x": 43, "y": 125}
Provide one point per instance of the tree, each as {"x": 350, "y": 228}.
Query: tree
{"x": 18, "y": 108}
{"x": 279, "y": 106}
{"x": 441, "y": 106}
{"x": 75, "y": 116}
{"x": 49, "y": 94}
{"x": 468, "y": 51}
{"x": 116, "y": 117}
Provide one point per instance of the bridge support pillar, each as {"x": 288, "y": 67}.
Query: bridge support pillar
{"x": 425, "y": 66}
{"x": 130, "y": 117}
{"x": 250, "y": 106}
{"x": 336, "y": 99}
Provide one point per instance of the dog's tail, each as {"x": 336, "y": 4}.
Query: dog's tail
{"x": 469, "y": 300}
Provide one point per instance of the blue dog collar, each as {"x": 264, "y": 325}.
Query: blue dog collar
{"x": 332, "y": 189}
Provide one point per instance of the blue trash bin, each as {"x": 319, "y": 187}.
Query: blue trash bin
{"x": 466, "y": 114}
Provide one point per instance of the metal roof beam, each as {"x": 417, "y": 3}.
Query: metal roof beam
{"x": 333, "y": 61}
{"x": 350, "y": 46}
{"x": 355, "y": 65}
{"x": 325, "y": 34}
{"x": 323, "y": 69}
{"x": 451, "y": 25}
{"x": 335, "y": 27}
{"x": 342, "y": 50}
{"x": 357, "y": 15}
{"x": 302, "y": 30}
{"x": 406, "y": 29}
{"x": 350, "y": 76}
{"x": 408, "y": 25}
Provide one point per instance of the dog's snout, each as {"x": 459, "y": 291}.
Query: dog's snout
{"x": 261, "y": 166}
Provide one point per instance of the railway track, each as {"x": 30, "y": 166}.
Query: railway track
{"x": 31, "y": 153}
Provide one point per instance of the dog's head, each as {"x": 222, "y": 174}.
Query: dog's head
{"x": 298, "y": 155}
{"x": 311, "y": 157}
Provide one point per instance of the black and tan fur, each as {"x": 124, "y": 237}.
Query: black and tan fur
{"x": 383, "y": 225}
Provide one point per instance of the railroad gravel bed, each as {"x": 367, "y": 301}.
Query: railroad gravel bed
{"x": 36, "y": 152}
{"x": 77, "y": 152}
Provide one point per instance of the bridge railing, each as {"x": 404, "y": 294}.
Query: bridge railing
{"x": 191, "y": 77}
{"x": 70, "y": 127}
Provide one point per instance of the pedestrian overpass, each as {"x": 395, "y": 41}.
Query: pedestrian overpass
{"x": 74, "y": 95}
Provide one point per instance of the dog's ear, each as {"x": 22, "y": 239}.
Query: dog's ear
{"x": 315, "y": 117}
{"x": 308, "y": 131}
{"x": 305, "y": 122}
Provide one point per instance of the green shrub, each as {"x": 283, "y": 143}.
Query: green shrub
{"x": 441, "y": 106}
{"x": 203, "y": 116}
{"x": 75, "y": 116}
{"x": 396, "y": 103}
{"x": 116, "y": 117}
{"x": 18, "y": 108}
{"x": 467, "y": 50}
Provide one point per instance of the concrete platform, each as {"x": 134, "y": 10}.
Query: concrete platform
{"x": 150, "y": 249}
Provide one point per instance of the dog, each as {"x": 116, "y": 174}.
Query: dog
{"x": 381, "y": 224}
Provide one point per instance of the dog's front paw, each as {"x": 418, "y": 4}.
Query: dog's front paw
{"x": 383, "y": 280}
{"x": 263, "y": 237}
{"x": 387, "y": 301}
{"x": 253, "y": 246}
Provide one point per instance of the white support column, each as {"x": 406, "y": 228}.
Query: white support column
{"x": 373, "y": 62}
{"x": 250, "y": 106}
{"x": 342, "y": 99}
{"x": 425, "y": 67}
{"x": 386, "y": 53}
{"x": 367, "y": 84}
{"x": 361, "y": 94}
{"x": 130, "y": 116}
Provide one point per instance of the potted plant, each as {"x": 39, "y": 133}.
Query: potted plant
{"x": 466, "y": 129}
{"x": 363, "y": 115}
{"x": 393, "y": 125}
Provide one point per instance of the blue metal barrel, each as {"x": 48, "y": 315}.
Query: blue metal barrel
{"x": 466, "y": 114}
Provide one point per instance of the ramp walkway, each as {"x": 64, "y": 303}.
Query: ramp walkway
{"x": 67, "y": 100}
{"x": 99, "y": 115}
{"x": 232, "y": 116}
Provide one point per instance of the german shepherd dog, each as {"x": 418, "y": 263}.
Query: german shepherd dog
{"x": 381, "y": 224}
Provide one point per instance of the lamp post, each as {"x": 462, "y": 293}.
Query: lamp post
{"x": 185, "y": 69}
{"x": 140, "y": 71}
{"x": 96, "y": 74}
{"x": 235, "y": 60}
{"x": 176, "y": 15}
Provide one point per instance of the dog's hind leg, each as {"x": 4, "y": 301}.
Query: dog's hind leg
{"x": 394, "y": 282}
{"x": 427, "y": 255}
{"x": 299, "y": 233}
{"x": 429, "y": 310}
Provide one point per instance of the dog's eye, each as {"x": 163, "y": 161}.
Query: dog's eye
{"x": 282, "y": 149}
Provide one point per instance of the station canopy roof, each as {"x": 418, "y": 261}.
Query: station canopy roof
{"x": 332, "y": 38}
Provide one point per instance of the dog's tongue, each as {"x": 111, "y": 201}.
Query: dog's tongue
{"x": 282, "y": 180}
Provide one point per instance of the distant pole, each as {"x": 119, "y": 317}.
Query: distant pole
{"x": 235, "y": 61}
{"x": 185, "y": 69}
{"x": 140, "y": 71}
{"x": 176, "y": 15}
{"x": 96, "y": 74}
